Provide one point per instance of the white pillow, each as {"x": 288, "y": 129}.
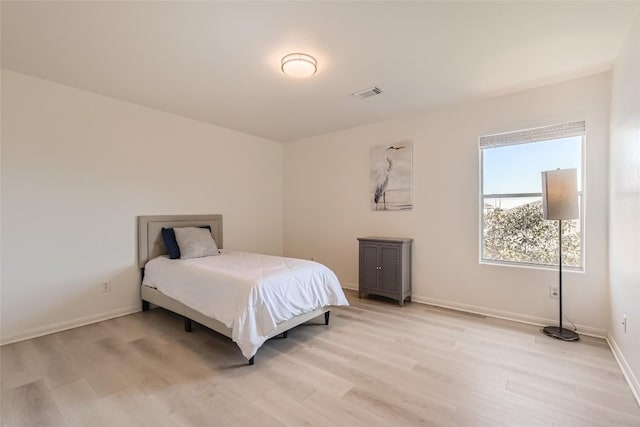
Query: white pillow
{"x": 195, "y": 242}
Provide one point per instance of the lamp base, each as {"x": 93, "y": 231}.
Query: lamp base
{"x": 561, "y": 333}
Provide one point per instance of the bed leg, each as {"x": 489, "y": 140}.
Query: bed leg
{"x": 145, "y": 305}
{"x": 187, "y": 325}
{"x": 285, "y": 334}
{"x": 326, "y": 317}
{"x": 251, "y": 360}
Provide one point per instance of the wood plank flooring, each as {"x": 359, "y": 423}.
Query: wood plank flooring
{"x": 376, "y": 365}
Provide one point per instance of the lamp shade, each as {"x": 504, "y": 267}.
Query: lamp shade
{"x": 560, "y": 194}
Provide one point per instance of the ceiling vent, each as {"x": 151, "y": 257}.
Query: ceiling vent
{"x": 367, "y": 93}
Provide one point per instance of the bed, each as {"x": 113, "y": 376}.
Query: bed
{"x": 247, "y": 297}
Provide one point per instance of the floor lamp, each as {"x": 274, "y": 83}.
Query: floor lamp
{"x": 560, "y": 202}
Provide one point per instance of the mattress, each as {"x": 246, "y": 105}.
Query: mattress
{"x": 249, "y": 293}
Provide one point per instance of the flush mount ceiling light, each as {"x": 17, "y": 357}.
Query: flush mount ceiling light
{"x": 299, "y": 65}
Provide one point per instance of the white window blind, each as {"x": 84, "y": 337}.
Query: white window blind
{"x": 563, "y": 130}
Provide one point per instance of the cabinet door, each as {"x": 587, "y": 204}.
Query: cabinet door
{"x": 370, "y": 265}
{"x": 390, "y": 273}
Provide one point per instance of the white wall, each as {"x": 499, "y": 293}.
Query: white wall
{"x": 624, "y": 210}
{"x": 77, "y": 168}
{"x": 327, "y": 203}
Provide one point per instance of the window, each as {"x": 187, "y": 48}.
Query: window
{"x": 513, "y": 230}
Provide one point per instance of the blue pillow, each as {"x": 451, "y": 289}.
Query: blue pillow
{"x": 170, "y": 242}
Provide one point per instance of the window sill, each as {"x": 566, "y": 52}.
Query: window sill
{"x": 565, "y": 269}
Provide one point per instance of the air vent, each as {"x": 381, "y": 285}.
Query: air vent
{"x": 367, "y": 93}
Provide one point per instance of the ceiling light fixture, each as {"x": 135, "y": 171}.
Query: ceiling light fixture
{"x": 299, "y": 65}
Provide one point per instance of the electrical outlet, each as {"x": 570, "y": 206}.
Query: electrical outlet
{"x": 624, "y": 323}
{"x": 553, "y": 292}
{"x": 106, "y": 287}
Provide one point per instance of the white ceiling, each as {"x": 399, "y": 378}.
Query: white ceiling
{"x": 219, "y": 62}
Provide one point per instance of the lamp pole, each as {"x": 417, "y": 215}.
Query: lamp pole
{"x": 560, "y": 270}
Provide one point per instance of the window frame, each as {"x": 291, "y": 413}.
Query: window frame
{"x": 581, "y": 203}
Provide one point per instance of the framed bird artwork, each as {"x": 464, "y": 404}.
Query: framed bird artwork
{"x": 391, "y": 176}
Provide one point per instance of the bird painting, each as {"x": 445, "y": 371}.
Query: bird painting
{"x": 390, "y": 170}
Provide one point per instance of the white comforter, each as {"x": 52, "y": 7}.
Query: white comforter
{"x": 250, "y": 293}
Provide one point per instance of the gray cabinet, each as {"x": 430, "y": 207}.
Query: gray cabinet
{"x": 385, "y": 267}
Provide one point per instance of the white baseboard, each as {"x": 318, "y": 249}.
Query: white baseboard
{"x": 499, "y": 314}
{"x": 625, "y": 368}
{"x": 69, "y": 324}
{"x": 506, "y": 315}
{"x": 516, "y": 317}
{"x": 349, "y": 286}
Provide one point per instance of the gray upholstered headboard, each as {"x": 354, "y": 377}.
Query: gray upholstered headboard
{"x": 150, "y": 243}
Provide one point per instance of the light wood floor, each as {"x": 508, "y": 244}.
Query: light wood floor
{"x": 376, "y": 365}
